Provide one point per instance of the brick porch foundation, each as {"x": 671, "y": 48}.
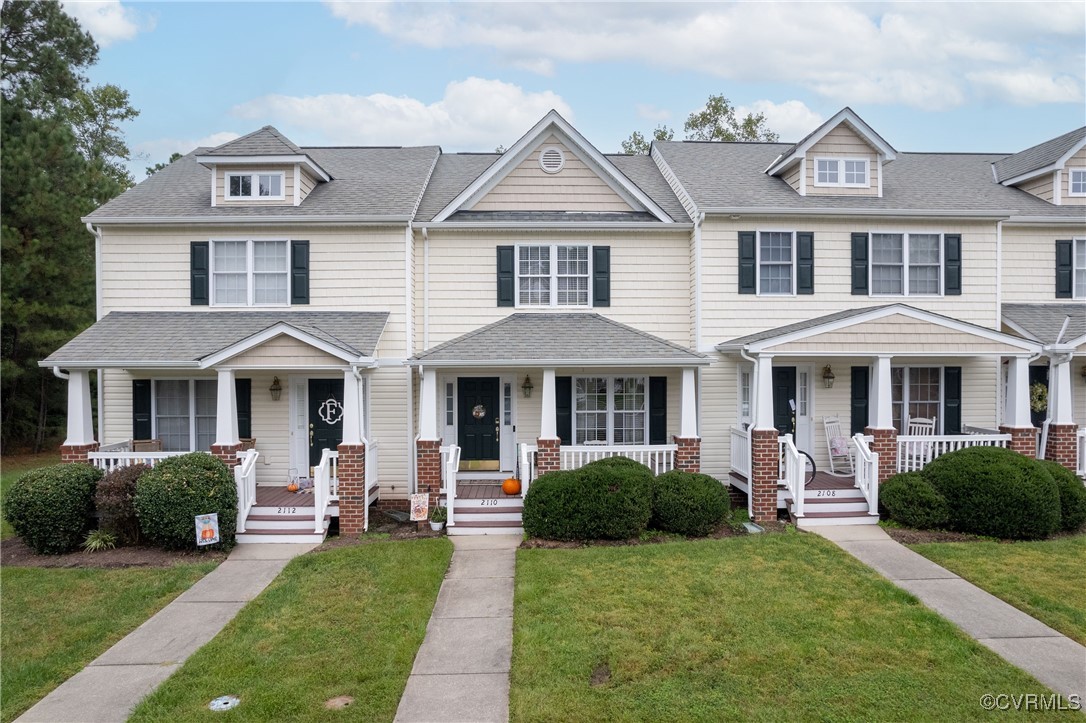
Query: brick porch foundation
{"x": 688, "y": 454}
{"x": 351, "y": 468}
{"x": 1023, "y": 439}
{"x": 548, "y": 457}
{"x": 76, "y": 453}
{"x": 885, "y": 445}
{"x": 428, "y": 471}
{"x": 1062, "y": 445}
{"x": 765, "y": 460}
{"x": 227, "y": 453}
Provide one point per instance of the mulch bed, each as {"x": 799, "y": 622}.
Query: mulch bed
{"x": 917, "y": 537}
{"x": 383, "y": 525}
{"x": 14, "y": 553}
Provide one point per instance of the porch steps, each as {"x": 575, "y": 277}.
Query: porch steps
{"x": 500, "y": 516}
{"x": 822, "y": 507}
{"x": 276, "y": 524}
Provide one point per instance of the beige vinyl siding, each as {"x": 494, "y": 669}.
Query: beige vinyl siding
{"x": 1029, "y": 262}
{"x": 271, "y": 429}
{"x": 391, "y": 427}
{"x": 1041, "y": 187}
{"x": 792, "y": 177}
{"x": 284, "y": 352}
{"x": 895, "y": 334}
{"x": 1077, "y": 162}
{"x": 116, "y": 406}
{"x": 220, "y": 186}
{"x": 719, "y": 402}
{"x": 529, "y": 188}
{"x": 306, "y": 182}
{"x": 842, "y": 142}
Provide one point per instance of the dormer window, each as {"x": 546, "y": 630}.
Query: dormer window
{"x": 266, "y": 186}
{"x": 844, "y": 172}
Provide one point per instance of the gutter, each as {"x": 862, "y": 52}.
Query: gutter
{"x": 1046, "y": 220}
{"x": 560, "y": 226}
{"x": 547, "y": 363}
{"x": 313, "y": 220}
{"x": 981, "y": 215}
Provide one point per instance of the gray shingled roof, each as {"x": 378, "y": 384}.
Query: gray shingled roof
{"x": 264, "y": 142}
{"x": 537, "y": 338}
{"x": 183, "y": 337}
{"x": 1042, "y": 322}
{"x": 366, "y": 182}
{"x": 792, "y": 149}
{"x": 730, "y": 175}
{"x": 1039, "y": 156}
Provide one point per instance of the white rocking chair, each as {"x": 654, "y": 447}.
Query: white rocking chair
{"x": 839, "y": 448}
{"x": 919, "y": 453}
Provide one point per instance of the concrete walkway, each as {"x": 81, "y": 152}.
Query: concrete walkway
{"x": 461, "y": 672}
{"x": 1047, "y": 655}
{"x": 108, "y": 688}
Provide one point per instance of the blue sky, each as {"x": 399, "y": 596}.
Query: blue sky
{"x": 986, "y": 77}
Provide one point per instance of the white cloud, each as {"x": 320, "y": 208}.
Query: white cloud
{"x": 652, "y": 113}
{"x": 929, "y": 55}
{"x": 160, "y": 149}
{"x": 474, "y": 114}
{"x": 108, "y": 21}
{"x": 791, "y": 120}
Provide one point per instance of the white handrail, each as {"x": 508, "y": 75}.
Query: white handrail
{"x": 794, "y": 468}
{"x": 914, "y": 452}
{"x": 245, "y": 481}
{"x": 527, "y": 466}
{"x": 448, "y": 474}
{"x": 109, "y": 461}
{"x": 322, "y": 488}
{"x": 1081, "y": 464}
{"x": 659, "y": 458}
{"x": 125, "y": 446}
{"x": 867, "y": 472}
{"x": 741, "y": 451}
{"x": 371, "y": 479}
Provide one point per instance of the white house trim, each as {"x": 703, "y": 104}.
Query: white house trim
{"x": 845, "y": 115}
{"x": 677, "y": 187}
{"x": 270, "y": 333}
{"x": 554, "y": 363}
{"x": 307, "y": 220}
{"x": 1056, "y": 166}
{"x": 264, "y": 160}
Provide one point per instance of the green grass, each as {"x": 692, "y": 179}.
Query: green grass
{"x": 1043, "y": 578}
{"x": 12, "y": 469}
{"x": 347, "y": 621}
{"x": 55, "y": 621}
{"x": 765, "y": 627}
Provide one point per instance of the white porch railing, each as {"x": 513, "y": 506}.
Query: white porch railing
{"x": 741, "y": 451}
{"x": 245, "y": 479}
{"x": 322, "y": 487}
{"x": 1080, "y": 466}
{"x": 109, "y": 460}
{"x": 526, "y": 456}
{"x": 446, "y": 450}
{"x": 372, "y": 480}
{"x": 970, "y": 429}
{"x": 867, "y": 472}
{"x": 794, "y": 467}
{"x": 916, "y": 451}
{"x": 659, "y": 458}
{"x": 125, "y": 446}
{"x": 450, "y": 464}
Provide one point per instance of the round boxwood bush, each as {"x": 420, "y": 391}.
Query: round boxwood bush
{"x": 910, "y": 499}
{"x": 604, "y": 500}
{"x": 114, "y": 500}
{"x": 171, "y": 494}
{"x": 996, "y": 492}
{"x": 51, "y": 507}
{"x": 1072, "y": 495}
{"x": 687, "y": 503}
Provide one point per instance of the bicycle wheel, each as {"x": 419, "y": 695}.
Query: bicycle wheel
{"x": 809, "y": 470}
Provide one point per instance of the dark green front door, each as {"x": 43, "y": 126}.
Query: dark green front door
{"x": 1037, "y": 375}
{"x": 479, "y": 416}
{"x": 784, "y": 397}
{"x": 325, "y": 417}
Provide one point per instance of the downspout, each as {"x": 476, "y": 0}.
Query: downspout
{"x": 61, "y": 375}
{"x": 409, "y": 256}
{"x": 697, "y": 280}
{"x": 750, "y": 455}
{"x": 1000, "y": 396}
{"x": 97, "y": 231}
{"x": 425, "y": 288}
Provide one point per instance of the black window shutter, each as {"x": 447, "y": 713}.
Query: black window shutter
{"x": 299, "y": 272}
{"x": 860, "y": 391}
{"x": 243, "y": 392}
{"x": 952, "y": 243}
{"x": 952, "y": 400}
{"x": 506, "y": 278}
{"x": 141, "y": 409}
{"x": 563, "y": 408}
{"x": 747, "y": 262}
{"x": 1064, "y": 269}
{"x": 601, "y": 276}
{"x": 804, "y": 262}
{"x": 859, "y": 264}
{"x": 658, "y": 410}
{"x": 199, "y": 275}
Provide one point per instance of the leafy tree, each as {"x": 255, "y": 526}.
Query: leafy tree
{"x": 717, "y": 121}
{"x": 637, "y": 145}
{"x": 96, "y": 117}
{"x": 152, "y": 170}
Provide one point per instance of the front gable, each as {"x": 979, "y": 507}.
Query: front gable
{"x": 283, "y": 352}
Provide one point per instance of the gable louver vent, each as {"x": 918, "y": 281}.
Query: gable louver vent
{"x": 552, "y": 160}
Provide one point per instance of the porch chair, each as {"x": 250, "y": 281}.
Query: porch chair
{"x": 839, "y": 448}
{"x": 919, "y": 453}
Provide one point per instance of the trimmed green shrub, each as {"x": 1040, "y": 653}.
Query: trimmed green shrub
{"x": 113, "y": 498}
{"x": 51, "y": 507}
{"x": 604, "y": 500}
{"x": 996, "y": 492}
{"x": 1072, "y": 495}
{"x": 910, "y": 499}
{"x": 171, "y": 494}
{"x": 687, "y": 503}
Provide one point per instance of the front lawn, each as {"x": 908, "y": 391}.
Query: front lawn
{"x": 342, "y": 622}
{"x": 765, "y": 627}
{"x": 1041, "y": 578}
{"x": 13, "y": 468}
{"x": 55, "y": 621}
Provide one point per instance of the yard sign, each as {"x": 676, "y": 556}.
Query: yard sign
{"x": 207, "y": 529}
{"x": 420, "y": 507}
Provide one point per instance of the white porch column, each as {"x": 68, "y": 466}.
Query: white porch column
{"x": 428, "y": 405}
{"x": 1017, "y": 401}
{"x": 548, "y": 425}
{"x": 353, "y": 412}
{"x": 1060, "y": 394}
{"x": 763, "y": 398}
{"x": 226, "y": 410}
{"x": 882, "y": 404}
{"x": 80, "y": 428}
{"x": 688, "y": 429}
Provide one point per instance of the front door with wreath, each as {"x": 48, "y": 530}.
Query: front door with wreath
{"x": 325, "y": 417}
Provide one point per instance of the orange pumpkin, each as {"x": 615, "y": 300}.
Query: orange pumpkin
{"x": 511, "y": 486}
{"x": 292, "y": 487}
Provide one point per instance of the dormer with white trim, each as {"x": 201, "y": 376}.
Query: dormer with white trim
{"x": 1054, "y": 171}
{"x": 842, "y": 157}
{"x": 263, "y": 168}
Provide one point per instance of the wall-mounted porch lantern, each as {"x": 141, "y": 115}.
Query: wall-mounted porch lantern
{"x": 276, "y": 389}
{"x": 527, "y": 386}
{"x": 827, "y": 376}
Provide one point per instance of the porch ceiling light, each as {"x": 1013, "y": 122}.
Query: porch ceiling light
{"x": 827, "y": 376}
{"x": 527, "y": 386}
{"x": 276, "y": 389}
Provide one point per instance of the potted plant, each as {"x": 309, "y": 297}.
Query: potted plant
{"x": 438, "y": 518}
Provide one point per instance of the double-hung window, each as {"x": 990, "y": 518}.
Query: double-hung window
{"x": 916, "y": 392}
{"x": 610, "y": 410}
{"x": 848, "y": 172}
{"x": 776, "y": 262}
{"x": 1080, "y": 268}
{"x": 906, "y": 264}
{"x": 553, "y": 275}
{"x": 249, "y": 273}
{"x": 1076, "y": 182}
{"x": 266, "y": 186}
{"x": 184, "y": 414}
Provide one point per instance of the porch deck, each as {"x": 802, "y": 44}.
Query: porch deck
{"x": 267, "y": 496}
{"x": 482, "y": 490}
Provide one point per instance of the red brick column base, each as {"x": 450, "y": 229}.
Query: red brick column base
{"x": 76, "y": 453}
{"x": 688, "y": 454}
{"x": 1062, "y": 445}
{"x": 351, "y": 468}
{"x": 885, "y": 445}
{"x": 227, "y": 453}
{"x": 765, "y": 463}
{"x": 1023, "y": 439}
{"x": 548, "y": 457}
{"x": 428, "y": 471}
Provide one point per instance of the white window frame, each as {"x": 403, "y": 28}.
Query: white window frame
{"x": 610, "y": 378}
{"x": 839, "y": 164}
{"x": 1071, "y": 173}
{"x": 190, "y": 382}
{"x": 941, "y": 276}
{"x": 905, "y": 400}
{"x": 1078, "y": 291}
{"x": 250, "y": 273}
{"x": 744, "y": 379}
{"x": 553, "y": 278}
{"x": 254, "y": 185}
{"x": 758, "y": 263}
